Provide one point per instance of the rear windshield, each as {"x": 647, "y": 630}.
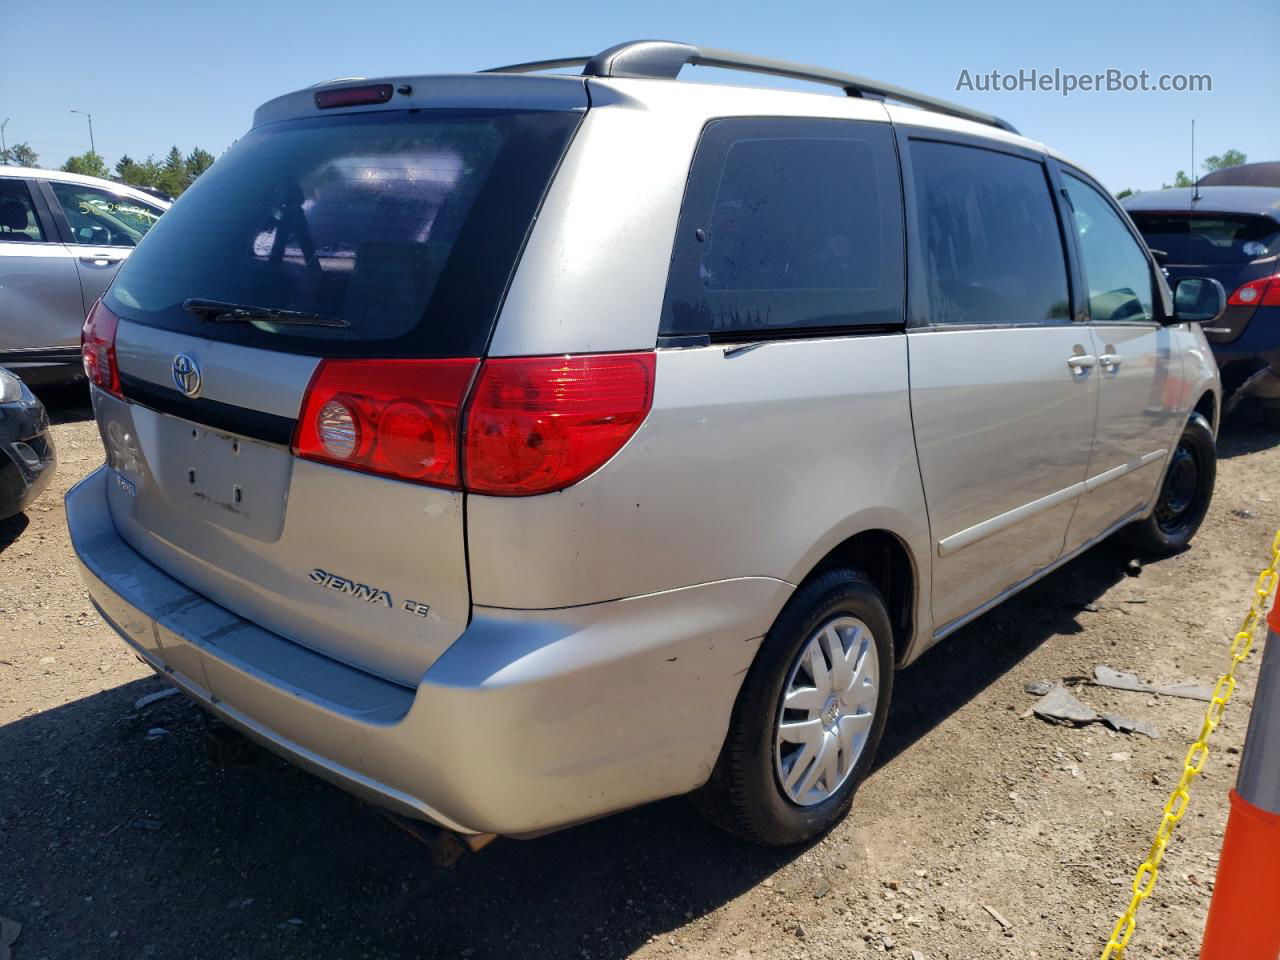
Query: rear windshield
{"x": 399, "y": 229}
{"x": 1207, "y": 238}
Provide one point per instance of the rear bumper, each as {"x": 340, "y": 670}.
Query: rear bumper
{"x": 1259, "y": 340}
{"x": 532, "y": 720}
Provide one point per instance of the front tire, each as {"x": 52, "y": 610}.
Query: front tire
{"x": 1185, "y": 493}
{"x": 809, "y": 717}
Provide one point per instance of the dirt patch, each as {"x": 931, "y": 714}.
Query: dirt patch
{"x": 982, "y": 833}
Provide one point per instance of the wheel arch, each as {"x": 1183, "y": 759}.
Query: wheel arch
{"x": 885, "y": 559}
{"x": 1207, "y": 407}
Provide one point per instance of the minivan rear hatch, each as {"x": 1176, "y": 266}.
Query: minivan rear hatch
{"x": 328, "y": 236}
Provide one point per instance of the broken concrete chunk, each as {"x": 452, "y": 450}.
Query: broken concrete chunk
{"x": 1039, "y": 688}
{"x": 1104, "y": 676}
{"x": 1061, "y": 706}
{"x": 1125, "y": 725}
{"x": 1188, "y": 691}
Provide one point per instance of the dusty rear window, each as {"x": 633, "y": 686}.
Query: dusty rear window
{"x": 400, "y": 228}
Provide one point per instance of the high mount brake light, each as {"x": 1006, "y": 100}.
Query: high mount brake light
{"x": 397, "y": 418}
{"x": 532, "y": 424}
{"x": 98, "y": 348}
{"x": 353, "y": 96}
{"x": 1263, "y": 292}
{"x": 538, "y": 424}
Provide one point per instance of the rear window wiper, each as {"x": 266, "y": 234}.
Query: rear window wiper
{"x": 218, "y": 311}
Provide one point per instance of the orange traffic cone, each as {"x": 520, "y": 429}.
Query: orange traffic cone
{"x": 1244, "y": 916}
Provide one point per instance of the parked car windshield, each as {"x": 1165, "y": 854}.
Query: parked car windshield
{"x": 1208, "y": 238}
{"x": 403, "y": 225}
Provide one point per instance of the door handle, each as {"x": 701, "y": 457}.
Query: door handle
{"x": 101, "y": 258}
{"x": 1111, "y": 358}
{"x": 1080, "y": 362}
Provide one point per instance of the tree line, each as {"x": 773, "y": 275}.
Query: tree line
{"x": 1229, "y": 158}
{"x": 172, "y": 175}
{"x": 176, "y": 172}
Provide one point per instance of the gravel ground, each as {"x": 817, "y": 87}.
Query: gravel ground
{"x": 118, "y": 839}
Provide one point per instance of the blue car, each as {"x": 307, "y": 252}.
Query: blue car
{"x": 1230, "y": 233}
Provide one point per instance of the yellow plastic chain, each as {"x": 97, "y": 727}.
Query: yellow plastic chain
{"x": 1145, "y": 880}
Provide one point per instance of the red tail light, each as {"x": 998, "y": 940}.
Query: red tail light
{"x": 398, "y": 418}
{"x": 533, "y": 424}
{"x": 98, "y": 348}
{"x": 538, "y": 424}
{"x": 1263, "y": 292}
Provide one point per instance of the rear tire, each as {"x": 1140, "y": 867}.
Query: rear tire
{"x": 838, "y": 710}
{"x": 1185, "y": 493}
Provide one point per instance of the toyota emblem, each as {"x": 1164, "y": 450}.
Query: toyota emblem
{"x": 186, "y": 375}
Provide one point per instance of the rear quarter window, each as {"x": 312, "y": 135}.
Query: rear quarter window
{"x": 788, "y": 225}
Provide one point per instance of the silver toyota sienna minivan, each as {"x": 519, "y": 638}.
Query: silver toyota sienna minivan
{"x": 513, "y": 449}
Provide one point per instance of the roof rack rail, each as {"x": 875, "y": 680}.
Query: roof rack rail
{"x": 663, "y": 59}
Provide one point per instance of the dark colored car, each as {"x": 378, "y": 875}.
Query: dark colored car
{"x": 1245, "y": 175}
{"x": 1230, "y": 233}
{"x": 27, "y": 458}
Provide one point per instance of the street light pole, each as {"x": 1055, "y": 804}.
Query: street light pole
{"x": 4, "y": 149}
{"x": 92, "y": 148}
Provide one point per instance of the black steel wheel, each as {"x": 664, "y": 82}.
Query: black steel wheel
{"x": 1185, "y": 493}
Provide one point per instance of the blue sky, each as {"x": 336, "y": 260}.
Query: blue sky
{"x": 159, "y": 73}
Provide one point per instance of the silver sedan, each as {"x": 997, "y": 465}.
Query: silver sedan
{"x": 62, "y": 239}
